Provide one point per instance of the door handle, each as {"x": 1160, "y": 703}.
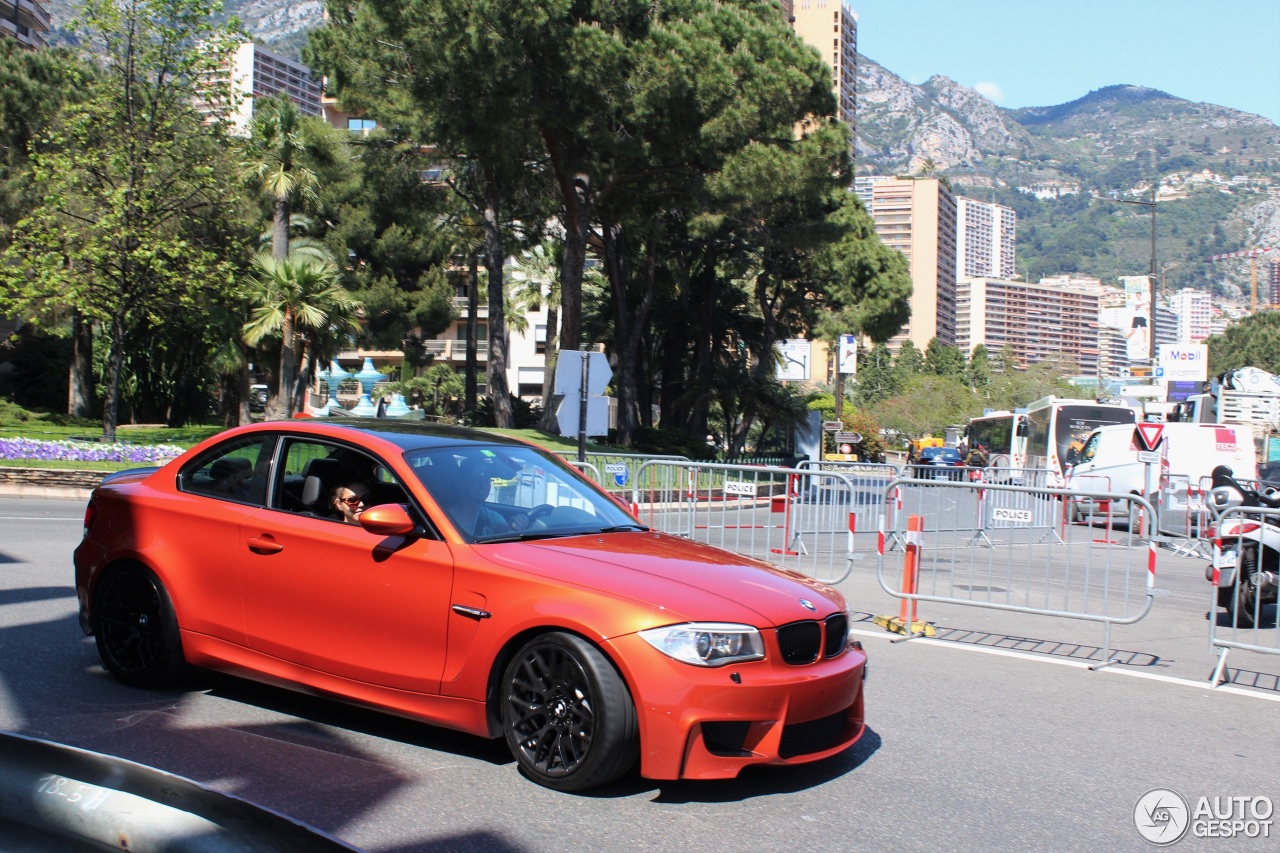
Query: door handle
{"x": 265, "y": 546}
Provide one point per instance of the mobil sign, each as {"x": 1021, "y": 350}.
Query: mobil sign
{"x": 1183, "y": 363}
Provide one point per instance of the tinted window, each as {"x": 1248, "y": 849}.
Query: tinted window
{"x": 237, "y": 470}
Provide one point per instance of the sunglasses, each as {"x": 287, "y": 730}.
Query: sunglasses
{"x": 354, "y": 500}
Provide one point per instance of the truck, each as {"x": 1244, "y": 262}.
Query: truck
{"x": 1246, "y": 397}
{"x": 1112, "y": 461}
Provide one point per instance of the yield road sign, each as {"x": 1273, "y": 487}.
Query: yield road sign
{"x": 1148, "y": 435}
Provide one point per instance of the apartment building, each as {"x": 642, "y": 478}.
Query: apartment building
{"x": 1273, "y": 283}
{"x": 27, "y": 21}
{"x": 918, "y": 218}
{"x": 1193, "y": 309}
{"x": 986, "y": 234}
{"x": 255, "y": 72}
{"x": 832, "y": 27}
{"x": 1055, "y": 318}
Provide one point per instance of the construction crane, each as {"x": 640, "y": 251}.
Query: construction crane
{"x": 1252, "y": 255}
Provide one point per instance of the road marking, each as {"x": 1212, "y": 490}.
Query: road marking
{"x": 1010, "y": 653}
{"x": 41, "y": 517}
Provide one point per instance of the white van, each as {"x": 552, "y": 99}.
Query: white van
{"x": 1109, "y": 462}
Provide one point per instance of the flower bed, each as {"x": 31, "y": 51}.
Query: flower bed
{"x": 85, "y": 451}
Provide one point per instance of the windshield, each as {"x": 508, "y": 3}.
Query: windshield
{"x": 504, "y": 493}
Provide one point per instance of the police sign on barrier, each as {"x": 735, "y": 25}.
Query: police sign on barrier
{"x": 1097, "y": 574}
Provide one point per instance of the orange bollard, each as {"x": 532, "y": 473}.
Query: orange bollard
{"x": 911, "y": 570}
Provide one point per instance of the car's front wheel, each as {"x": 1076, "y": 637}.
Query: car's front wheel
{"x": 567, "y": 714}
{"x": 136, "y": 629}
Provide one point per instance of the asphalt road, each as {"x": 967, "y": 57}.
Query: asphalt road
{"x": 974, "y": 745}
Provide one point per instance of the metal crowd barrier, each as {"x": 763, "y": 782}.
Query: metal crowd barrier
{"x": 993, "y": 510}
{"x": 799, "y": 519}
{"x": 1250, "y": 620}
{"x": 1101, "y": 572}
{"x": 619, "y": 469}
{"x": 1185, "y": 517}
{"x": 866, "y": 498}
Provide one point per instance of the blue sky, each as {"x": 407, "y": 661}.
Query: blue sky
{"x": 1023, "y": 53}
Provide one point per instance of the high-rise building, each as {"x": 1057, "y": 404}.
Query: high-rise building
{"x": 832, "y": 27}
{"x": 918, "y": 218}
{"x": 256, "y": 72}
{"x": 1056, "y": 318}
{"x": 25, "y": 20}
{"x": 1194, "y": 310}
{"x": 985, "y": 238}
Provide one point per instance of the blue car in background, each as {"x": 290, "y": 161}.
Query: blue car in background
{"x": 938, "y": 463}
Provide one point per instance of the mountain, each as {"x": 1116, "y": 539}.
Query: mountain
{"x": 1214, "y": 163}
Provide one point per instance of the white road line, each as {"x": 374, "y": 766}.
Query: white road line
{"x": 1113, "y": 669}
{"x": 77, "y": 517}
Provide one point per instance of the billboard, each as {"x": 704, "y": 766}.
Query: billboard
{"x": 1137, "y": 303}
{"x": 1182, "y": 362}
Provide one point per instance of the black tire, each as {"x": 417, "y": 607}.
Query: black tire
{"x": 1240, "y": 604}
{"x": 136, "y": 629}
{"x": 567, "y": 716}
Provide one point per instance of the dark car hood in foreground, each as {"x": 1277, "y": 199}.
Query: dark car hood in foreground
{"x": 687, "y": 579}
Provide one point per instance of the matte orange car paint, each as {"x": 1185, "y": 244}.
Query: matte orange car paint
{"x": 369, "y": 619}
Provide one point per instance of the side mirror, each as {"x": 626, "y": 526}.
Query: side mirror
{"x": 388, "y": 520}
{"x": 1023, "y": 429}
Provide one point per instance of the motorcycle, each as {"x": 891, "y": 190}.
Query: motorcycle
{"x": 1245, "y": 546}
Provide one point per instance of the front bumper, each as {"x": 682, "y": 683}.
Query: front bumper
{"x": 711, "y": 723}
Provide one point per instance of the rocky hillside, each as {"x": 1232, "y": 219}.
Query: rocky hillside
{"x": 1115, "y": 139}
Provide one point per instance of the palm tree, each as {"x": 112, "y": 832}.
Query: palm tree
{"x": 536, "y": 279}
{"x": 284, "y": 150}
{"x": 299, "y": 294}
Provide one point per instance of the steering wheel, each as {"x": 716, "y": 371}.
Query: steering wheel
{"x": 539, "y": 511}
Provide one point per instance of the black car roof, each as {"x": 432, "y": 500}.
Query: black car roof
{"x": 420, "y": 435}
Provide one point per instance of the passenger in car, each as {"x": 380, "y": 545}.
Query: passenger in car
{"x": 348, "y": 501}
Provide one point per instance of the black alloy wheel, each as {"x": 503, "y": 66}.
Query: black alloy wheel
{"x": 567, "y": 715}
{"x": 136, "y": 630}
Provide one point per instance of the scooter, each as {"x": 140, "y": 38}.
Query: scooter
{"x": 1247, "y": 546}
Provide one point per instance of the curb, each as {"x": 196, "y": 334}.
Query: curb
{"x": 49, "y": 483}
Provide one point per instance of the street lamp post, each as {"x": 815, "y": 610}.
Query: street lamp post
{"x": 1151, "y": 338}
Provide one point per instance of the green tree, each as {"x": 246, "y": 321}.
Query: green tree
{"x": 283, "y": 152}
{"x": 943, "y": 360}
{"x": 297, "y": 296}
{"x": 34, "y": 85}
{"x": 877, "y": 378}
{"x": 1252, "y": 342}
{"x": 978, "y": 372}
{"x": 125, "y": 180}
{"x": 910, "y": 362}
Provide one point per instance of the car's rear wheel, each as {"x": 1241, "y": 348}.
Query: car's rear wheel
{"x": 567, "y": 715}
{"x": 136, "y": 629}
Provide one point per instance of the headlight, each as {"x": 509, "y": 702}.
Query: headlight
{"x": 707, "y": 643}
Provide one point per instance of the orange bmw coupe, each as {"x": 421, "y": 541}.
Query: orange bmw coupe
{"x": 471, "y": 581}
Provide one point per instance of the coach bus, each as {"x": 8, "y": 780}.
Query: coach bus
{"x": 1003, "y": 439}
{"x": 1057, "y": 428}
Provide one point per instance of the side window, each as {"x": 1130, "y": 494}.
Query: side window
{"x": 235, "y": 471}
{"x": 312, "y": 470}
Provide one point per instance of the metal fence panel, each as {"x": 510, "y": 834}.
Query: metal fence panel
{"x": 1250, "y": 618}
{"x": 1033, "y": 561}
{"x": 799, "y": 519}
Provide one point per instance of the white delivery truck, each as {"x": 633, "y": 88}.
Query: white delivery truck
{"x": 1112, "y": 461}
